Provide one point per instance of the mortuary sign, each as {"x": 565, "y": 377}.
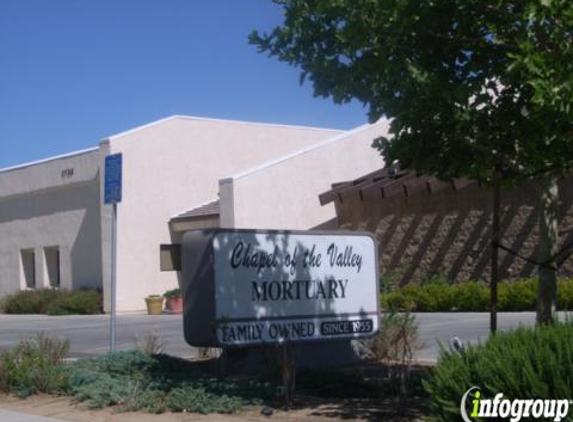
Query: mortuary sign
{"x": 272, "y": 286}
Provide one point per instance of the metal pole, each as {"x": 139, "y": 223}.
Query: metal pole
{"x": 113, "y": 275}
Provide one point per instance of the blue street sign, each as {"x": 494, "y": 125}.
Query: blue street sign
{"x": 112, "y": 186}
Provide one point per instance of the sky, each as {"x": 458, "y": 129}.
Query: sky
{"x": 73, "y": 72}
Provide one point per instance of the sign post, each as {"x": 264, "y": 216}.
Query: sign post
{"x": 112, "y": 195}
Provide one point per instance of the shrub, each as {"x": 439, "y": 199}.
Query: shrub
{"x": 136, "y": 380}
{"x": 525, "y": 363}
{"x": 565, "y": 294}
{"x": 193, "y": 399}
{"x": 396, "y": 340}
{"x": 172, "y": 293}
{"x": 390, "y": 278}
{"x": 133, "y": 380}
{"x": 102, "y": 390}
{"x": 520, "y": 295}
{"x": 78, "y": 302}
{"x": 151, "y": 401}
{"x": 404, "y": 298}
{"x": 34, "y": 365}
{"x": 471, "y": 297}
{"x": 29, "y": 301}
{"x": 54, "y": 302}
{"x": 150, "y": 342}
{"x": 438, "y": 296}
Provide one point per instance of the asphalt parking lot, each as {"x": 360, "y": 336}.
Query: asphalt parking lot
{"x": 89, "y": 334}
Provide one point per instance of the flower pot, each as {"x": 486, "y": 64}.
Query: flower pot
{"x": 154, "y": 305}
{"x": 174, "y": 305}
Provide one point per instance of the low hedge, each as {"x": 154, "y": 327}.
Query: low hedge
{"x": 54, "y": 302}
{"x": 439, "y": 296}
{"x": 527, "y": 363}
{"x": 135, "y": 380}
{"x": 131, "y": 380}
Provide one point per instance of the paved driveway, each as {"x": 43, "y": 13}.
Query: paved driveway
{"x": 89, "y": 335}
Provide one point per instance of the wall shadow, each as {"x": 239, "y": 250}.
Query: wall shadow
{"x": 54, "y": 218}
{"x": 448, "y": 233}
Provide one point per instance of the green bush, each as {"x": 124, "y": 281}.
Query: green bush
{"x": 565, "y": 295}
{"x": 29, "y": 301}
{"x": 439, "y": 296}
{"x": 436, "y": 296}
{"x": 519, "y": 295}
{"x": 151, "y": 401}
{"x": 172, "y": 293}
{"x": 78, "y": 302}
{"x": 197, "y": 400}
{"x": 135, "y": 380}
{"x": 34, "y": 366}
{"x": 522, "y": 364}
{"x": 471, "y": 297}
{"x": 54, "y": 302}
{"x": 404, "y": 298}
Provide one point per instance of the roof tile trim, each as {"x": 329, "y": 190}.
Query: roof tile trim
{"x": 53, "y": 158}
{"x": 209, "y": 119}
{"x": 206, "y": 209}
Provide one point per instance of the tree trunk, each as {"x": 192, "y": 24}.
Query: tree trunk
{"x": 548, "y": 248}
{"x": 495, "y": 237}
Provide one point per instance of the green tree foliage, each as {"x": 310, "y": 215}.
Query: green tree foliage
{"x": 468, "y": 85}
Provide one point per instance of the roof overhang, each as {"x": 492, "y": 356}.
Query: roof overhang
{"x": 205, "y": 216}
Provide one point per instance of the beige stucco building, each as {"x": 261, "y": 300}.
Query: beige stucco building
{"x": 179, "y": 173}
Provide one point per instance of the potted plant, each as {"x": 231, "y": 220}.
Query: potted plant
{"x": 154, "y": 304}
{"x": 174, "y": 301}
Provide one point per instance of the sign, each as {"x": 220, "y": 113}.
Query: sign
{"x": 112, "y": 185}
{"x": 296, "y": 286}
{"x": 112, "y": 195}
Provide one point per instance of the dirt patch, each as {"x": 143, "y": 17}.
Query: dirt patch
{"x": 308, "y": 409}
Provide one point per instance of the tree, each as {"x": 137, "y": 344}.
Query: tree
{"x": 471, "y": 87}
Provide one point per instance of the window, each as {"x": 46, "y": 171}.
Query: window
{"x": 52, "y": 259}
{"x": 28, "y": 273}
{"x": 170, "y": 257}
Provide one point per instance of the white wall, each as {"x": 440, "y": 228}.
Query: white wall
{"x": 48, "y": 174}
{"x": 169, "y": 167}
{"x": 284, "y": 194}
{"x": 172, "y": 166}
{"x": 48, "y": 204}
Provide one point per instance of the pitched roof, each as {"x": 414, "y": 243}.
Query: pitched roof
{"x": 53, "y": 158}
{"x": 382, "y": 122}
{"x": 211, "y": 208}
{"x": 387, "y": 182}
{"x": 209, "y": 119}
